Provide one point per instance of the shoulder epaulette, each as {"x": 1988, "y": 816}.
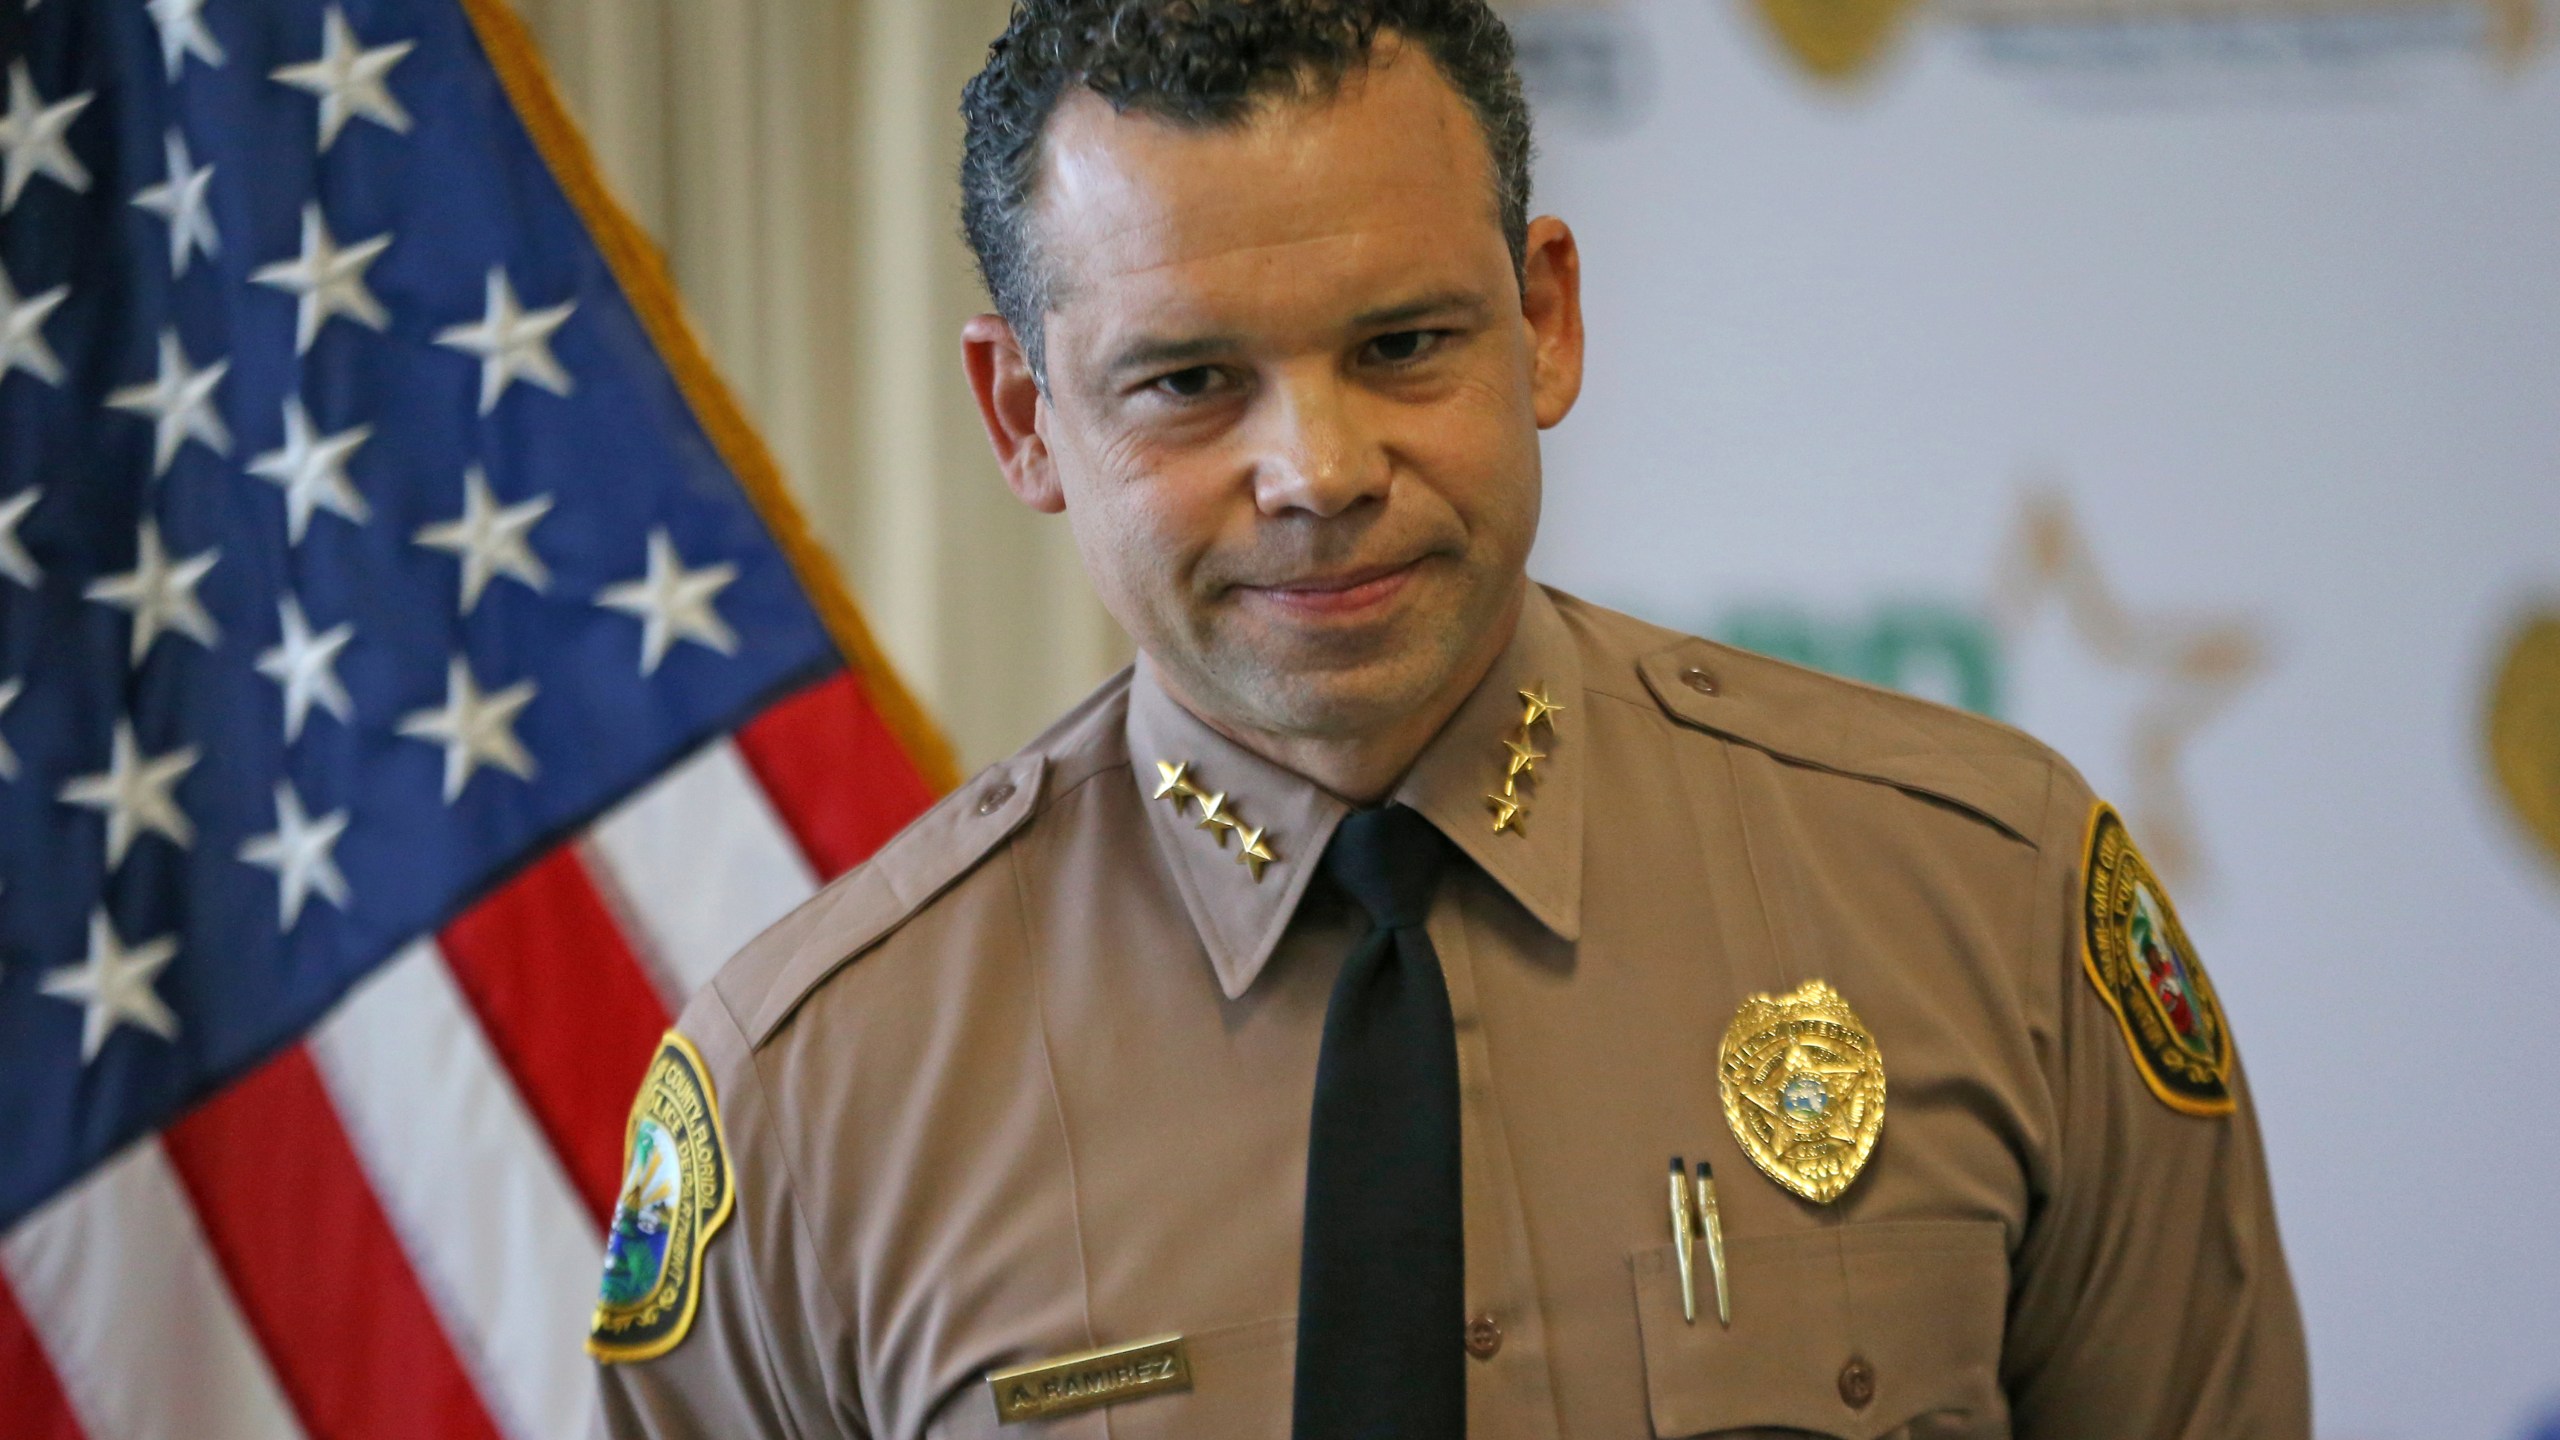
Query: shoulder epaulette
{"x": 1809, "y": 718}
{"x": 869, "y": 903}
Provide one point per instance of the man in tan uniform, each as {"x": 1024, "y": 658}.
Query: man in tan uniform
{"x": 1055, "y": 1116}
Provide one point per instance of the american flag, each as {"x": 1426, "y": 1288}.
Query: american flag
{"x": 412, "y": 685}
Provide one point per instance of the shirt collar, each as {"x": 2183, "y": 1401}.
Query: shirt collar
{"x": 1537, "y": 858}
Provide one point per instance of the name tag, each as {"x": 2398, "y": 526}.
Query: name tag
{"x": 1093, "y": 1377}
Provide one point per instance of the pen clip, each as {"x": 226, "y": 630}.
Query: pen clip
{"x": 1710, "y": 1220}
{"x": 1684, "y": 1239}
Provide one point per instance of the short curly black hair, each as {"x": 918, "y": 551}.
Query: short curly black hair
{"x": 1207, "y": 63}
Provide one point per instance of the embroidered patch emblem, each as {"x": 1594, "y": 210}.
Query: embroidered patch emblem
{"x": 2139, "y": 957}
{"x": 1803, "y": 1088}
{"x": 675, "y": 1193}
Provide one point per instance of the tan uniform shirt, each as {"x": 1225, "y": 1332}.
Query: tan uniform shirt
{"x": 1036, "y": 1079}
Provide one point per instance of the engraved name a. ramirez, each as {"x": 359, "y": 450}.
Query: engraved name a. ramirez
{"x": 1094, "y": 1377}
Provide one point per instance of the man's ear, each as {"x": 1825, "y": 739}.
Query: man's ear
{"x": 1551, "y": 301}
{"x": 1009, "y": 402}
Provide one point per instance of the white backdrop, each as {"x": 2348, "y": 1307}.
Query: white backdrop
{"x": 2187, "y": 392}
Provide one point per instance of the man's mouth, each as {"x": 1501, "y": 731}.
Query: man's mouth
{"x": 1341, "y": 594}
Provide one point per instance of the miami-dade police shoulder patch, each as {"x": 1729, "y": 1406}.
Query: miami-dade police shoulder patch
{"x": 2139, "y": 957}
{"x": 676, "y": 1191}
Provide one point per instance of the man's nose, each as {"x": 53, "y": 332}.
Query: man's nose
{"x": 1312, "y": 453}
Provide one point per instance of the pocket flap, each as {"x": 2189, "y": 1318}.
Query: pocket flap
{"x": 1907, "y": 1318}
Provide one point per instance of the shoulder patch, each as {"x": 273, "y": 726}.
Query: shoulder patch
{"x": 2139, "y": 957}
{"x": 676, "y": 1193}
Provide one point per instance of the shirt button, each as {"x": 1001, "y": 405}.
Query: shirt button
{"x": 1484, "y": 1338}
{"x": 994, "y": 798}
{"x": 1696, "y": 678}
{"x": 1857, "y": 1382}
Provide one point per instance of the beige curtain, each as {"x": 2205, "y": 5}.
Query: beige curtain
{"x": 795, "y": 159}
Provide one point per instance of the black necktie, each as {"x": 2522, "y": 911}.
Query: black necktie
{"x": 1382, "y": 1270}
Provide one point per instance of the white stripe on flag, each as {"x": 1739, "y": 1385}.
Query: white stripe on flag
{"x": 498, "y": 1239}
{"x": 697, "y": 865}
{"x": 114, "y": 1275}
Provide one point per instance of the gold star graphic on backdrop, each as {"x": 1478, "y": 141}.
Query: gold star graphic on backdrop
{"x": 2193, "y": 667}
{"x": 2522, "y": 730}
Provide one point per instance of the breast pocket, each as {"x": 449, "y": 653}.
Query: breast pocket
{"x": 1857, "y": 1332}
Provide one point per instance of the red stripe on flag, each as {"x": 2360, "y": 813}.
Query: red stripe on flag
{"x": 569, "y": 1010}
{"x": 35, "y": 1407}
{"x": 835, "y": 771}
{"x": 319, "y": 1274}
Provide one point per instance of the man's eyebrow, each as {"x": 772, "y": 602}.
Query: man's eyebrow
{"x": 1165, "y": 352}
{"x": 1150, "y": 352}
{"x": 1460, "y": 304}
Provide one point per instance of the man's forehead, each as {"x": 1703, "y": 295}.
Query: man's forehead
{"x": 1389, "y": 159}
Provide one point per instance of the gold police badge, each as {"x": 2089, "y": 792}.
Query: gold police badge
{"x": 676, "y": 1191}
{"x": 1803, "y": 1088}
{"x": 2138, "y": 956}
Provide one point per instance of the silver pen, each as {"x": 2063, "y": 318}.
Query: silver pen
{"x": 1711, "y": 1220}
{"x": 1683, "y": 1239}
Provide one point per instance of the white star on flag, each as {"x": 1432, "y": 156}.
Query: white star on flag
{"x": 298, "y": 851}
{"x": 31, "y": 138}
{"x": 350, "y": 80}
{"x": 114, "y": 984}
{"x": 180, "y": 403}
{"x": 513, "y": 343}
{"x": 182, "y": 34}
{"x": 15, "y": 562}
{"x": 306, "y": 666}
{"x": 133, "y": 793}
{"x": 474, "y": 729}
{"x": 161, "y": 594}
{"x": 180, "y": 200}
{"x": 9, "y": 758}
{"x": 673, "y": 603}
{"x": 327, "y": 280}
{"x": 22, "y": 344}
{"x": 491, "y": 539}
{"x": 312, "y": 469}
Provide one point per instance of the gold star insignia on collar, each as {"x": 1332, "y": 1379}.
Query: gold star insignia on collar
{"x": 1177, "y": 786}
{"x": 1512, "y": 806}
{"x": 1255, "y": 854}
{"x": 1524, "y": 758}
{"x": 1538, "y": 707}
{"x": 1215, "y": 817}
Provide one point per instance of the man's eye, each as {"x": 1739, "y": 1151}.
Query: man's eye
{"x": 1188, "y": 384}
{"x": 1402, "y": 346}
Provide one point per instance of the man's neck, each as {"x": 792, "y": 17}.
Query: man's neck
{"x": 1364, "y": 769}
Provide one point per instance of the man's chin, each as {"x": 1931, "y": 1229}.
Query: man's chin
{"x": 1331, "y": 702}
{"x": 1329, "y": 680}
